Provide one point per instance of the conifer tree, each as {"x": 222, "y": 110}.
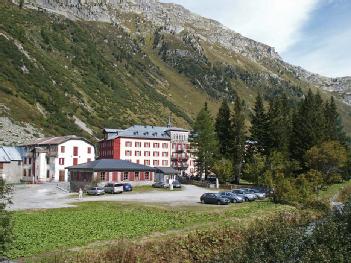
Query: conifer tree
{"x": 223, "y": 129}
{"x": 238, "y": 138}
{"x": 333, "y": 125}
{"x": 259, "y": 125}
{"x": 204, "y": 141}
{"x": 279, "y": 125}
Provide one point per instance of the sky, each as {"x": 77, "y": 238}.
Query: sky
{"x": 313, "y": 34}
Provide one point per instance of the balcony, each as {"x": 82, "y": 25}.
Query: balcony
{"x": 183, "y": 157}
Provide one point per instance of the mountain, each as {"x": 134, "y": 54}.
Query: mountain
{"x": 75, "y": 66}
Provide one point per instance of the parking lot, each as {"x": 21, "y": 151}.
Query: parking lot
{"x": 49, "y": 196}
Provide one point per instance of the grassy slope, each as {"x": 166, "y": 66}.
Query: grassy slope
{"x": 104, "y": 76}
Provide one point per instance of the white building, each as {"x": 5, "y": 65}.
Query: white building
{"x": 45, "y": 159}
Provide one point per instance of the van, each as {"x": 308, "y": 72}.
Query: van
{"x": 113, "y": 188}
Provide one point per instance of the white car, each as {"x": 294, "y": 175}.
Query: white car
{"x": 113, "y": 188}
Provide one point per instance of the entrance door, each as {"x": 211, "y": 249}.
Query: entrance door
{"x": 62, "y": 176}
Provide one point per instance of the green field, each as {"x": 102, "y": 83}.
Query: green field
{"x": 43, "y": 231}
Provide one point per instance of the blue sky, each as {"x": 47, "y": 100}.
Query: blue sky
{"x": 314, "y": 34}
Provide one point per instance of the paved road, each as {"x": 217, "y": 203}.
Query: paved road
{"x": 48, "y": 196}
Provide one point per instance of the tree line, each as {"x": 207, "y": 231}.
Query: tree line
{"x": 294, "y": 148}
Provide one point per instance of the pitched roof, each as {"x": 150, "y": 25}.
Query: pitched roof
{"x": 8, "y": 154}
{"x": 166, "y": 170}
{"x": 145, "y": 131}
{"x": 56, "y": 140}
{"x": 110, "y": 165}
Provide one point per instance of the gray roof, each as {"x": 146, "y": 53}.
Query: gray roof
{"x": 145, "y": 131}
{"x": 166, "y": 170}
{"x": 8, "y": 154}
{"x": 110, "y": 165}
{"x": 56, "y": 140}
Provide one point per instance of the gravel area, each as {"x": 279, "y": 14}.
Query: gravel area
{"x": 49, "y": 196}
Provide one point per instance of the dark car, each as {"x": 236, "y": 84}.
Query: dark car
{"x": 159, "y": 185}
{"x": 232, "y": 197}
{"x": 211, "y": 198}
{"x": 127, "y": 187}
{"x": 176, "y": 184}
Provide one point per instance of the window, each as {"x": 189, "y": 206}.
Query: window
{"x": 125, "y": 176}
{"x": 29, "y": 160}
{"x": 89, "y": 149}
{"x": 137, "y": 144}
{"x": 165, "y": 154}
{"x": 75, "y": 161}
{"x": 147, "y": 176}
{"x": 156, "y": 145}
{"x": 129, "y": 144}
{"x": 146, "y": 144}
{"x": 137, "y": 153}
{"x": 173, "y": 145}
{"x": 156, "y": 163}
{"x": 62, "y": 149}
{"x": 138, "y": 161}
{"x": 61, "y": 161}
{"x": 164, "y": 163}
{"x": 25, "y": 160}
{"x": 47, "y": 160}
{"x": 24, "y": 172}
{"x": 75, "y": 151}
{"x": 47, "y": 174}
{"x": 164, "y": 145}
{"x": 156, "y": 154}
{"x": 128, "y": 153}
{"x": 88, "y": 160}
{"x": 147, "y": 162}
{"x": 19, "y": 163}
{"x": 102, "y": 176}
{"x": 29, "y": 172}
{"x": 136, "y": 176}
{"x": 147, "y": 153}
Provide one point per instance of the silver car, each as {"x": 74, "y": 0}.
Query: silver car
{"x": 246, "y": 196}
{"x": 113, "y": 188}
{"x": 259, "y": 194}
{"x": 96, "y": 191}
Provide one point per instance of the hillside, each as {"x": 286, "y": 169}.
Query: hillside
{"x": 75, "y": 67}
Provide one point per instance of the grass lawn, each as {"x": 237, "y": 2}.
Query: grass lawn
{"x": 333, "y": 190}
{"x": 54, "y": 229}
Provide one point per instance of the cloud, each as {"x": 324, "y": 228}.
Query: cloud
{"x": 275, "y": 22}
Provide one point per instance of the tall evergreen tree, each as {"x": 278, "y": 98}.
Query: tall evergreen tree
{"x": 333, "y": 125}
{"x": 223, "y": 129}
{"x": 204, "y": 141}
{"x": 279, "y": 125}
{"x": 238, "y": 138}
{"x": 259, "y": 125}
{"x": 308, "y": 126}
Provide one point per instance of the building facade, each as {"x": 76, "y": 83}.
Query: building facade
{"x": 109, "y": 170}
{"x": 45, "y": 160}
{"x": 149, "y": 145}
{"x": 11, "y": 164}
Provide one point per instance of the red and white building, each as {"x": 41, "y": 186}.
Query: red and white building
{"x": 45, "y": 159}
{"x": 149, "y": 145}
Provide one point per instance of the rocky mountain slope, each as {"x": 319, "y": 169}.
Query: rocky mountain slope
{"x": 75, "y": 66}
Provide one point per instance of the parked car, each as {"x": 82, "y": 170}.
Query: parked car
{"x": 176, "y": 184}
{"x": 127, "y": 187}
{"x": 212, "y": 198}
{"x": 243, "y": 194}
{"x": 259, "y": 194}
{"x": 232, "y": 197}
{"x": 95, "y": 191}
{"x": 113, "y": 188}
{"x": 159, "y": 185}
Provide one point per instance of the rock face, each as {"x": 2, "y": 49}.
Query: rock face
{"x": 175, "y": 18}
{"x": 172, "y": 17}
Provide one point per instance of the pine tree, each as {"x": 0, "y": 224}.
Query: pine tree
{"x": 308, "y": 126}
{"x": 259, "y": 125}
{"x": 223, "y": 129}
{"x": 333, "y": 125}
{"x": 279, "y": 125}
{"x": 238, "y": 138}
{"x": 204, "y": 141}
